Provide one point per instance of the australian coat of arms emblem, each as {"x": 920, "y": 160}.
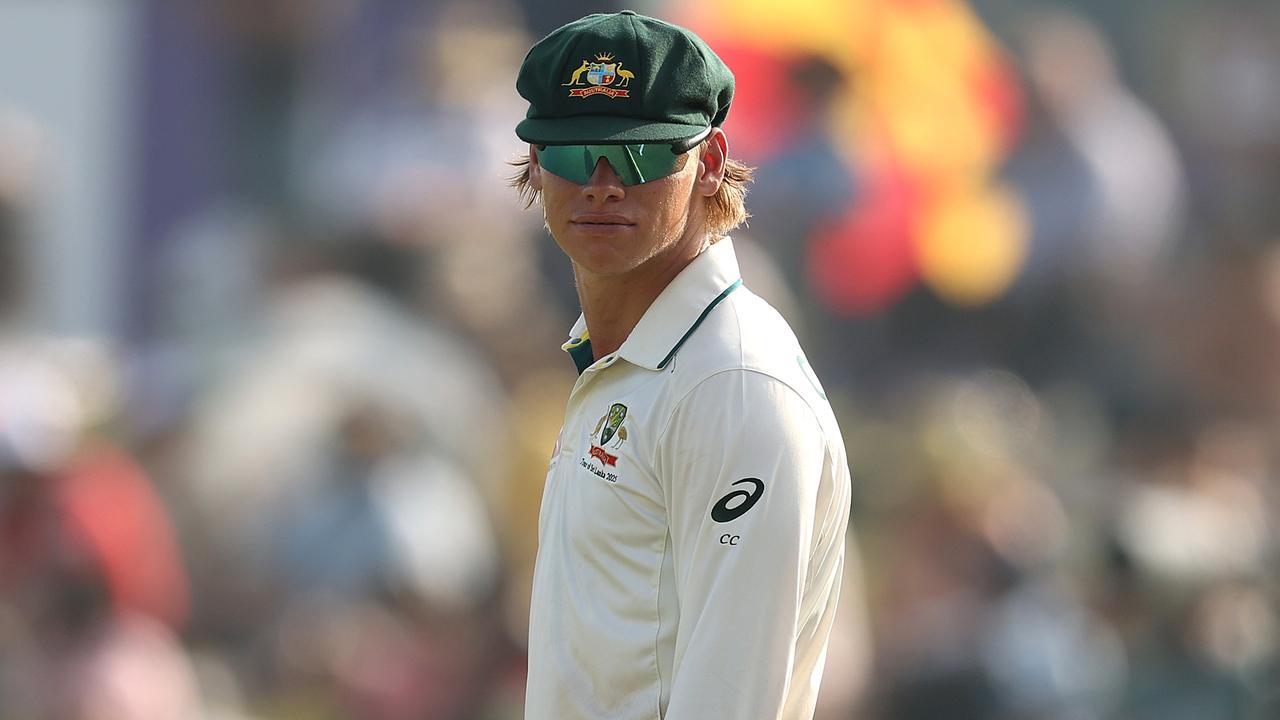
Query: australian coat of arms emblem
{"x": 609, "y": 432}
{"x": 600, "y": 75}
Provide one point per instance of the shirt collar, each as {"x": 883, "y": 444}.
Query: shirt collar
{"x": 677, "y": 311}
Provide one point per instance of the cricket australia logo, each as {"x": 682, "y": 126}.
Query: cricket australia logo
{"x": 600, "y": 75}
{"x": 610, "y": 432}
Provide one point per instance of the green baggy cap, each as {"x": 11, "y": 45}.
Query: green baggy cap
{"x": 613, "y": 79}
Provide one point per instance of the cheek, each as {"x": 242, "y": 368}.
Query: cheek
{"x": 555, "y": 197}
{"x": 672, "y": 202}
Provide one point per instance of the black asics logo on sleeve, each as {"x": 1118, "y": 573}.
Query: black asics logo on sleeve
{"x": 722, "y": 513}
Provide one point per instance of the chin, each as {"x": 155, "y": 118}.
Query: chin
{"x": 602, "y": 255}
{"x": 604, "y": 261}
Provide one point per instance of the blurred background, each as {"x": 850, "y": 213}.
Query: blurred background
{"x": 280, "y": 368}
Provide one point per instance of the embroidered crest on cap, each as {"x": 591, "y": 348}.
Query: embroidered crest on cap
{"x": 599, "y": 76}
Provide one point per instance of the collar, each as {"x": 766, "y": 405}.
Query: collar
{"x": 674, "y": 315}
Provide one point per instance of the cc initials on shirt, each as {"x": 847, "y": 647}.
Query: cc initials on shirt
{"x": 727, "y": 539}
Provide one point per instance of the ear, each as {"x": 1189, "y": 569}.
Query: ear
{"x": 535, "y": 170}
{"x": 711, "y": 165}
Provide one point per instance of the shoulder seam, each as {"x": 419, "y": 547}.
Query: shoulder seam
{"x": 675, "y": 407}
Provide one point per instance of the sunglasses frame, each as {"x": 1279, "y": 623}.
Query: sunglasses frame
{"x": 633, "y": 173}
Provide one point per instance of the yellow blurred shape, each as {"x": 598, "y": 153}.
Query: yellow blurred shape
{"x": 923, "y": 80}
{"x": 971, "y": 244}
{"x": 921, "y": 72}
{"x": 838, "y": 28}
{"x": 931, "y": 94}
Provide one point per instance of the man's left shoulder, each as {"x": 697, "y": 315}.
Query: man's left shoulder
{"x": 748, "y": 334}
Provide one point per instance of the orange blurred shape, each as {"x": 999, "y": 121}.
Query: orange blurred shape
{"x": 940, "y": 88}
{"x": 837, "y": 28}
{"x": 933, "y": 96}
{"x": 972, "y": 242}
{"x": 994, "y": 86}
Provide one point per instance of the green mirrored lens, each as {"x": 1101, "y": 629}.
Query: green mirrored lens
{"x": 633, "y": 164}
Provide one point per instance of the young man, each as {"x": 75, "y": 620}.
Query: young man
{"x": 691, "y": 536}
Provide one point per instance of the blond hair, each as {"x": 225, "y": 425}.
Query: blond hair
{"x": 726, "y": 210}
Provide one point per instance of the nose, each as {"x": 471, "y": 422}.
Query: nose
{"x": 603, "y": 183}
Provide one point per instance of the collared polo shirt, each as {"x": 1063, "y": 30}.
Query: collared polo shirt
{"x": 692, "y": 528}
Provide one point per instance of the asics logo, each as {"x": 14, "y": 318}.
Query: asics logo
{"x": 725, "y": 511}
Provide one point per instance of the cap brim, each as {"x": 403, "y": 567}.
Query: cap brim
{"x": 602, "y": 130}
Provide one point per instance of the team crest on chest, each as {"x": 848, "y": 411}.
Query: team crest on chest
{"x": 609, "y": 433}
{"x": 603, "y": 76}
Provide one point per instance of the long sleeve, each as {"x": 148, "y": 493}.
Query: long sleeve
{"x": 743, "y": 462}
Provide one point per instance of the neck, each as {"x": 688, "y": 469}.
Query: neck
{"x": 613, "y": 305}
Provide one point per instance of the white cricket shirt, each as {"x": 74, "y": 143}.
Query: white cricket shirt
{"x": 691, "y": 535}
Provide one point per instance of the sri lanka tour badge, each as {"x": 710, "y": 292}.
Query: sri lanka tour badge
{"x": 610, "y": 428}
{"x": 600, "y": 75}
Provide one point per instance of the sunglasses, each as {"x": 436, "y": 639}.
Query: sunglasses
{"x": 633, "y": 164}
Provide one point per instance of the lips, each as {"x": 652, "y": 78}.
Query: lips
{"x": 595, "y": 220}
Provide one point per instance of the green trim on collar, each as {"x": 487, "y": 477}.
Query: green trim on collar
{"x": 579, "y": 349}
{"x": 736, "y": 284}
{"x": 581, "y": 352}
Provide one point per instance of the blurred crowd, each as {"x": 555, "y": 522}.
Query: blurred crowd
{"x": 1032, "y": 248}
